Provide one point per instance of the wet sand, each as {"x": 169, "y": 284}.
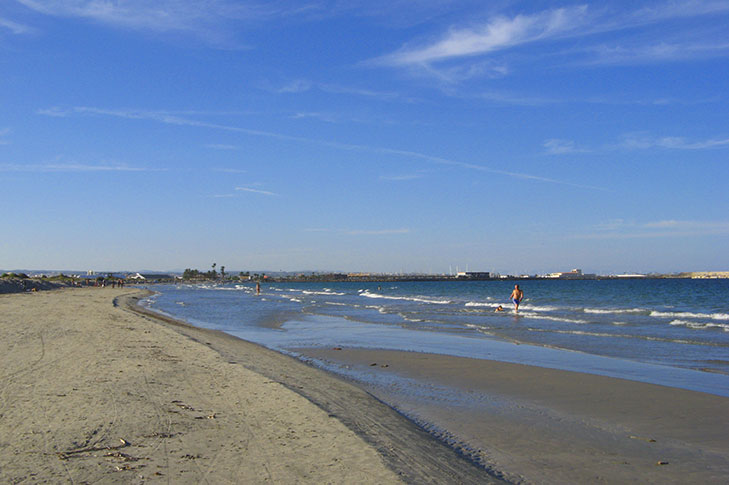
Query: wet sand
{"x": 540, "y": 425}
{"x": 92, "y": 391}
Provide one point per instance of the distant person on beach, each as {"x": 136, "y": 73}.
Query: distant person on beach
{"x": 517, "y": 296}
{"x": 258, "y": 288}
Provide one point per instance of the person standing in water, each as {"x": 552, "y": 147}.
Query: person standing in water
{"x": 517, "y": 296}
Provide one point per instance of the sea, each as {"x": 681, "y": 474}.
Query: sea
{"x": 672, "y": 332}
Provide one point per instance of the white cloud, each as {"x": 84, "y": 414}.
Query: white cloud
{"x": 399, "y": 178}
{"x": 297, "y": 86}
{"x": 377, "y": 232}
{"x": 220, "y": 146}
{"x": 167, "y": 118}
{"x": 3, "y": 136}
{"x": 216, "y": 22}
{"x": 556, "y": 146}
{"x": 326, "y": 117}
{"x": 159, "y": 15}
{"x": 73, "y": 167}
{"x": 450, "y": 57}
{"x": 688, "y": 225}
{"x": 229, "y": 170}
{"x": 649, "y": 53}
{"x": 303, "y": 85}
{"x": 516, "y": 99}
{"x": 621, "y": 229}
{"x": 636, "y": 141}
{"x": 677, "y": 9}
{"x": 257, "y": 191}
{"x": 14, "y": 27}
{"x": 644, "y": 141}
{"x": 497, "y": 34}
{"x": 361, "y": 232}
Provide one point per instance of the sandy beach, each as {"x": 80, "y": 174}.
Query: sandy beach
{"x": 98, "y": 389}
{"x": 94, "y": 392}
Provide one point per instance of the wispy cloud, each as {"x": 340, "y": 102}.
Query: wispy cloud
{"x": 326, "y": 117}
{"x": 304, "y": 85}
{"x": 621, "y": 229}
{"x": 377, "y": 232}
{"x": 14, "y": 27}
{"x": 160, "y": 15}
{"x": 400, "y": 178}
{"x": 484, "y": 169}
{"x": 230, "y": 170}
{"x": 219, "y": 146}
{"x": 166, "y": 118}
{"x": 628, "y": 54}
{"x": 556, "y": 146}
{"x": 498, "y": 33}
{"x": 73, "y": 167}
{"x": 472, "y": 48}
{"x": 674, "y": 9}
{"x": 3, "y": 136}
{"x": 296, "y": 86}
{"x": 635, "y": 141}
{"x": 645, "y": 141}
{"x": 362, "y": 232}
{"x": 257, "y": 191}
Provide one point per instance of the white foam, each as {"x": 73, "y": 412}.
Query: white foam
{"x": 608, "y": 311}
{"x": 537, "y": 308}
{"x": 699, "y": 325}
{"x": 711, "y": 316}
{"x": 554, "y": 319}
{"x": 481, "y": 304}
{"x": 404, "y": 298}
{"x": 410, "y": 319}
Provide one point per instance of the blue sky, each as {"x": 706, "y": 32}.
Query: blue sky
{"x": 394, "y": 136}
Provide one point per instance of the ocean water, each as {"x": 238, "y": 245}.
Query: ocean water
{"x": 666, "y": 331}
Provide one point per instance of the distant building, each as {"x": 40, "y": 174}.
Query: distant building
{"x": 709, "y": 274}
{"x": 358, "y": 275}
{"x": 575, "y": 274}
{"x": 473, "y": 275}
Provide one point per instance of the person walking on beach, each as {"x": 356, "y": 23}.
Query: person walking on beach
{"x": 517, "y": 296}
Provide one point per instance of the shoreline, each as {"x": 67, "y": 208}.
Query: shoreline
{"x": 95, "y": 391}
{"x": 401, "y": 441}
{"x": 99, "y": 388}
{"x": 578, "y": 431}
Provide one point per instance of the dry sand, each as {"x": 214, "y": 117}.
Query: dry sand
{"x": 91, "y": 391}
{"x": 547, "y": 426}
